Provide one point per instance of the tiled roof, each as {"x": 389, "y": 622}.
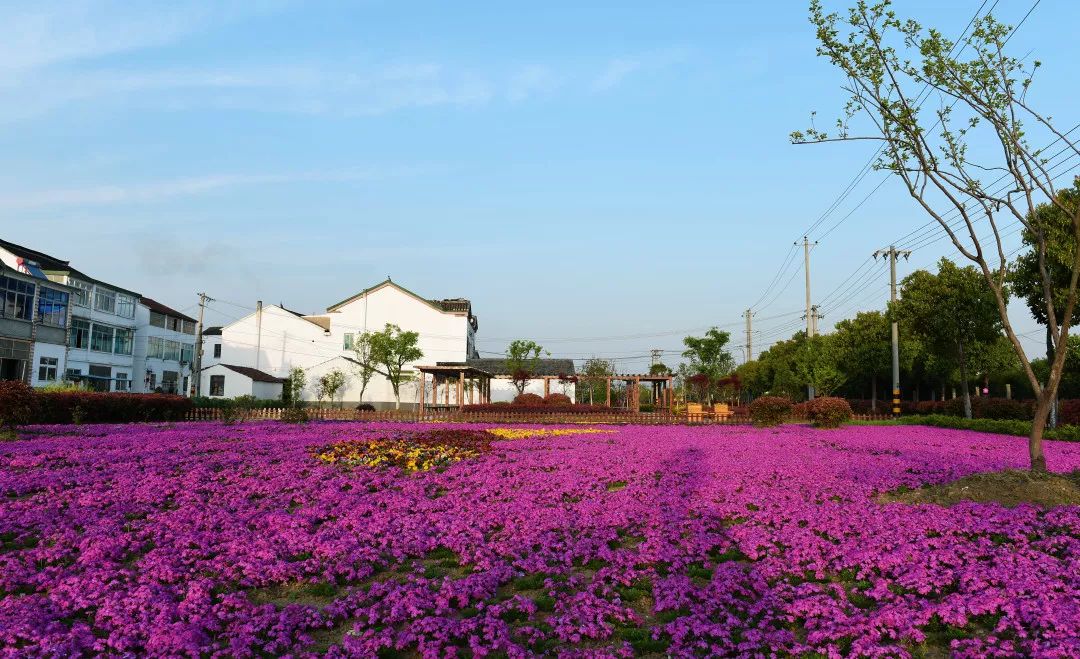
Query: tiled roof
{"x": 254, "y": 374}
{"x": 212, "y": 331}
{"x": 154, "y": 305}
{"x": 53, "y": 264}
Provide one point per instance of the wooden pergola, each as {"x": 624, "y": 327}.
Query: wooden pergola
{"x": 447, "y": 376}
{"x": 663, "y": 389}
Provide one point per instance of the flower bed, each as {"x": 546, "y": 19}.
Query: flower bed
{"x": 204, "y": 539}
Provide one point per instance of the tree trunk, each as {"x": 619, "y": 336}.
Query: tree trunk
{"x": 397, "y": 398}
{"x": 873, "y": 394}
{"x": 964, "y": 382}
{"x": 1038, "y": 424}
{"x": 1052, "y": 421}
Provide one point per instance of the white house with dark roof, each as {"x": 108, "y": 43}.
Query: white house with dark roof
{"x": 164, "y": 349}
{"x": 34, "y": 318}
{"x": 276, "y": 340}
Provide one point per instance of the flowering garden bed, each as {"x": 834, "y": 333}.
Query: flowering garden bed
{"x": 203, "y": 539}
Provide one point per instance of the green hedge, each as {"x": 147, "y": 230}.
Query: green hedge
{"x": 998, "y": 426}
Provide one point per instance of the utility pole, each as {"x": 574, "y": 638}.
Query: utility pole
{"x": 196, "y": 387}
{"x": 811, "y": 311}
{"x": 655, "y": 354}
{"x": 258, "y": 333}
{"x": 749, "y": 339}
{"x": 892, "y": 253}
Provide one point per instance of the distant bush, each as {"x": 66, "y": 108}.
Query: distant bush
{"x": 528, "y": 399}
{"x": 17, "y": 403}
{"x": 827, "y": 412}
{"x": 365, "y": 407}
{"x": 770, "y": 410}
{"x": 238, "y": 410}
{"x": 255, "y": 403}
{"x": 294, "y": 415}
{"x": 100, "y": 407}
{"x": 558, "y": 399}
{"x": 1069, "y": 411}
{"x": 503, "y": 406}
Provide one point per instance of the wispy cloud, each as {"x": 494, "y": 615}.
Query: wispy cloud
{"x": 619, "y": 69}
{"x": 156, "y": 191}
{"x": 532, "y": 81}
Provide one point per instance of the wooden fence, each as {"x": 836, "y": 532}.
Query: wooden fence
{"x": 509, "y": 417}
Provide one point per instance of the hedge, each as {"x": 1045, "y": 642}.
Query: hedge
{"x": 825, "y": 412}
{"x": 98, "y": 407}
{"x": 1065, "y": 433}
{"x": 541, "y": 408}
{"x": 770, "y": 410}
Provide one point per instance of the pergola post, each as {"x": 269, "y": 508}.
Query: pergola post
{"x": 423, "y": 396}
{"x": 461, "y": 390}
{"x": 547, "y": 386}
{"x": 637, "y": 395}
{"x": 608, "y": 403}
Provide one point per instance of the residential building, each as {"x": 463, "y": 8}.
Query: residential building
{"x": 272, "y": 340}
{"x": 164, "y": 349}
{"x": 101, "y": 333}
{"x": 34, "y": 319}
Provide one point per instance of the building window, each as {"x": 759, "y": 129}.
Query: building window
{"x": 123, "y": 342}
{"x": 125, "y": 306}
{"x": 151, "y": 381}
{"x": 217, "y": 385}
{"x": 172, "y": 351}
{"x": 189, "y": 327}
{"x": 157, "y": 319}
{"x": 185, "y": 389}
{"x": 18, "y": 298}
{"x": 122, "y": 381}
{"x": 187, "y": 352}
{"x": 348, "y": 341}
{"x": 47, "y": 369}
{"x": 105, "y": 301}
{"x": 155, "y": 347}
{"x": 80, "y": 333}
{"x": 100, "y": 377}
{"x": 217, "y": 351}
{"x": 101, "y": 338}
{"x": 169, "y": 381}
{"x": 52, "y": 307}
{"x": 81, "y": 295}
{"x": 73, "y": 374}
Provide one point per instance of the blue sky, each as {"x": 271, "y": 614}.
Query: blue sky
{"x": 579, "y": 170}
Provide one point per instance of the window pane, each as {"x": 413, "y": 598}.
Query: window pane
{"x": 217, "y": 385}
{"x": 17, "y": 297}
{"x": 122, "y": 343}
{"x": 157, "y": 319}
{"x": 81, "y": 295}
{"x": 217, "y": 351}
{"x": 187, "y": 352}
{"x": 80, "y": 333}
{"x": 101, "y": 338}
{"x": 105, "y": 301}
{"x": 52, "y": 307}
{"x": 125, "y": 306}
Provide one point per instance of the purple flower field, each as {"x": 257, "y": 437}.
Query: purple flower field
{"x": 203, "y": 539}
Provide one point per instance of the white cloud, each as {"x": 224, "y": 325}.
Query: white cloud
{"x": 619, "y": 69}
{"x": 531, "y": 81}
{"x": 163, "y": 190}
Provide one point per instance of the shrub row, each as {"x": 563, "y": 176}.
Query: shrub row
{"x": 249, "y": 401}
{"x": 19, "y": 404}
{"x": 541, "y": 408}
{"x": 1066, "y": 433}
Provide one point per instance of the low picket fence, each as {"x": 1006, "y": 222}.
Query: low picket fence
{"x": 456, "y": 416}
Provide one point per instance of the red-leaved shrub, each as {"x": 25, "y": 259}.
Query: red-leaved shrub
{"x": 558, "y": 399}
{"x": 769, "y": 410}
{"x": 827, "y": 412}
{"x": 17, "y": 403}
{"x": 528, "y": 399}
{"x": 99, "y": 407}
{"x": 1069, "y": 412}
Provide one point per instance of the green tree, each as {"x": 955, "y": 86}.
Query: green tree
{"x": 953, "y": 311}
{"x": 864, "y": 348}
{"x": 522, "y": 360}
{"x": 296, "y": 382}
{"x": 366, "y": 366}
{"x": 888, "y": 64}
{"x": 392, "y": 349}
{"x": 708, "y": 354}
{"x": 818, "y": 364}
{"x": 659, "y": 368}
{"x": 330, "y": 384}
{"x": 594, "y": 375}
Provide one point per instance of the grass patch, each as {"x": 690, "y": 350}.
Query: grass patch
{"x": 281, "y": 595}
{"x": 996, "y": 426}
{"x": 1009, "y": 488}
{"x": 615, "y": 486}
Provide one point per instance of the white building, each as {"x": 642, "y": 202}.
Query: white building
{"x": 275, "y": 340}
{"x": 164, "y": 349}
{"x": 34, "y": 318}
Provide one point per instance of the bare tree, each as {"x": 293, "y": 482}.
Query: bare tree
{"x": 967, "y": 157}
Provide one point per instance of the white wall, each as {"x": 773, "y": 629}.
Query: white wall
{"x": 444, "y": 336}
{"x": 47, "y": 350}
{"x": 236, "y": 384}
{"x": 265, "y": 390}
{"x": 503, "y": 390}
{"x": 143, "y": 363}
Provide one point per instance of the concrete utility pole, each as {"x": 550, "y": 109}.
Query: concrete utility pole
{"x": 258, "y": 333}
{"x": 655, "y": 355}
{"x": 749, "y": 335}
{"x": 892, "y": 253}
{"x": 196, "y": 386}
{"x": 811, "y": 324}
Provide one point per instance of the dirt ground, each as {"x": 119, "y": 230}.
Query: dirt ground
{"x": 1009, "y": 488}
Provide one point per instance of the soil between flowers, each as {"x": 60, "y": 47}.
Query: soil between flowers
{"x": 1009, "y": 488}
